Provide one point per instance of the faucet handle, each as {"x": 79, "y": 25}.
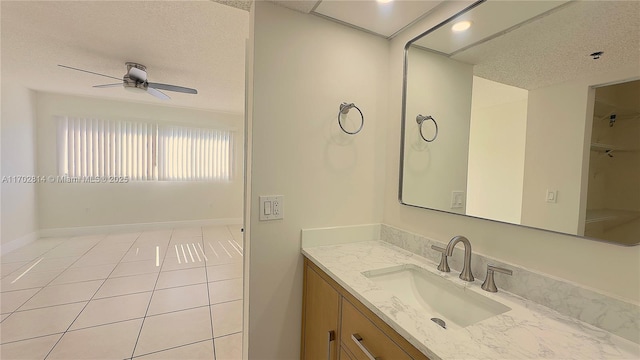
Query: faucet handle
{"x": 489, "y": 283}
{"x": 438, "y": 248}
{"x": 444, "y": 264}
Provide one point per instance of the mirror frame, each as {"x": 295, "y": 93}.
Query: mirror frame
{"x": 403, "y": 137}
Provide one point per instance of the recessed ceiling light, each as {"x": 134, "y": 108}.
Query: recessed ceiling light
{"x": 384, "y": 1}
{"x": 461, "y": 26}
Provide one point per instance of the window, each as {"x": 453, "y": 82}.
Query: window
{"x": 194, "y": 154}
{"x": 143, "y": 150}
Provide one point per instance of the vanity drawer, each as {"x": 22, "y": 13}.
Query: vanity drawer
{"x": 372, "y": 339}
{"x": 344, "y": 355}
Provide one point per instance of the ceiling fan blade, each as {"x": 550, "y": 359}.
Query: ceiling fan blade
{"x": 107, "y": 85}
{"x": 90, "y": 72}
{"x": 173, "y": 88}
{"x": 157, "y": 93}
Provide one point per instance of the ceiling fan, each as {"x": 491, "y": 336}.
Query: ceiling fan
{"x": 136, "y": 80}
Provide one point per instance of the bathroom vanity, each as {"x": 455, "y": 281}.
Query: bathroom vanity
{"x": 350, "y": 312}
{"x": 334, "y": 321}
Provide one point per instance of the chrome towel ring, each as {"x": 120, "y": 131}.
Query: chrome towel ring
{"x": 344, "y": 110}
{"x": 420, "y": 119}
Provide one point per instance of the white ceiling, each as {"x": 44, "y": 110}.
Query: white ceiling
{"x": 487, "y": 19}
{"x": 556, "y": 47}
{"x": 201, "y": 44}
{"x": 384, "y": 19}
{"x": 523, "y": 43}
{"x": 198, "y": 44}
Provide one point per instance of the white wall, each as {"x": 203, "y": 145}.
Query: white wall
{"x": 19, "y": 209}
{"x": 440, "y": 87}
{"x": 564, "y": 256}
{"x": 496, "y": 151}
{"x": 85, "y": 205}
{"x": 304, "y": 67}
{"x": 553, "y": 156}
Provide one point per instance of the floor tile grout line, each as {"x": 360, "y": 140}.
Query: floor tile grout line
{"x": 220, "y": 280}
{"x": 227, "y": 301}
{"x": 171, "y": 348}
{"x": 133, "y": 352}
{"x": 36, "y": 257}
{"x": 206, "y": 275}
{"x": 99, "y": 325}
{"x": 32, "y": 338}
{"x": 226, "y": 335}
{"x": 119, "y": 295}
{"x": 179, "y": 286}
{"x": 51, "y": 306}
{"x": 27, "y": 263}
{"x": 54, "y": 278}
{"x": 175, "y": 311}
{"x": 94, "y": 294}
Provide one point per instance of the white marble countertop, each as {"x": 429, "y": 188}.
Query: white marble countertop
{"x": 527, "y": 331}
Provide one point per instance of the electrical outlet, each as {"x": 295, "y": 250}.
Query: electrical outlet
{"x": 271, "y": 207}
{"x": 276, "y": 206}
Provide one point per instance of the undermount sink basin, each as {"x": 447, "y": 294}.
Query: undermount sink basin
{"x": 438, "y": 297}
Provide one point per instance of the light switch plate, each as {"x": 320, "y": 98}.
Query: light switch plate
{"x": 457, "y": 199}
{"x": 552, "y": 196}
{"x": 271, "y": 207}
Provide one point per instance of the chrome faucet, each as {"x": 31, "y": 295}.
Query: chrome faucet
{"x": 466, "y": 274}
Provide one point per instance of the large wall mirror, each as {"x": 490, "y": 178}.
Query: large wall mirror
{"x": 530, "y": 116}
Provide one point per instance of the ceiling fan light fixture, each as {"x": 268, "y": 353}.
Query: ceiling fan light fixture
{"x": 136, "y": 71}
{"x": 461, "y": 26}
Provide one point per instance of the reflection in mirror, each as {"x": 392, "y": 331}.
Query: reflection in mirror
{"x": 538, "y": 112}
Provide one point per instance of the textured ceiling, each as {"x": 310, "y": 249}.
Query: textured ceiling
{"x": 304, "y": 6}
{"x": 556, "y": 47}
{"x": 198, "y": 44}
{"x": 242, "y": 5}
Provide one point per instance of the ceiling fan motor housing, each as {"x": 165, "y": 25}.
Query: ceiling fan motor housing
{"x": 137, "y": 71}
{"x": 132, "y": 84}
{"x": 136, "y": 77}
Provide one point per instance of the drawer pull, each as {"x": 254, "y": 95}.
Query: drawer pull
{"x": 331, "y": 335}
{"x": 358, "y": 340}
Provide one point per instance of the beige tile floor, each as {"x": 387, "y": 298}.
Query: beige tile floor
{"x": 164, "y": 294}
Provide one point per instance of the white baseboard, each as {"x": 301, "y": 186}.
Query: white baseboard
{"x": 19, "y": 242}
{"x": 104, "y": 229}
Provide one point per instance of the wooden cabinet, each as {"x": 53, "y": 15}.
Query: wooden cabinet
{"x": 329, "y": 310}
{"x": 344, "y": 355}
{"x": 364, "y": 339}
{"x": 321, "y": 312}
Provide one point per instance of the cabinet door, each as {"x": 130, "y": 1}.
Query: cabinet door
{"x": 320, "y": 318}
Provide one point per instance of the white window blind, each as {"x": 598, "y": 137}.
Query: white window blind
{"x": 143, "y": 150}
{"x": 194, "y": 154}
{"x": 95, "y": 147}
